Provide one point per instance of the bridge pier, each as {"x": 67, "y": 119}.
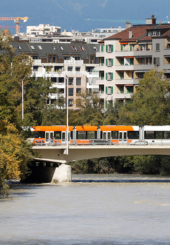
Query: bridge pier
{"x": 62, "y": 174}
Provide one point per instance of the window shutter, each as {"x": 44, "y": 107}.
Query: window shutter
{"x": 112, "y": 62}
{"x": 112, "y": 75}
{"x": 121, "y": 47}
{"x": 106, "y": 90}
{"x": 131, "y": 61}
{"x": 112, "y": 48}
{"x": 130, "y": 47}
{"x": 106, "y": 104}
{"x": 106, "y": 62}
{"x": 102, "y": 48}
{"x": 106, "y": 76}
{"x": 106, "y": 48}
{"x": 111, "y": 90}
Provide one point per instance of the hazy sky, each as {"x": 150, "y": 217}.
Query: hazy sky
{"x": 73, "y": 14}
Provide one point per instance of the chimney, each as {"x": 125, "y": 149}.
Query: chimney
{"x": 128, "y": 25}
{"x": 130, "y": 33}
{"x": 151, "y": 21}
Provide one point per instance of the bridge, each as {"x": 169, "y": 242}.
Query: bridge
{"x": 58, "y": 154}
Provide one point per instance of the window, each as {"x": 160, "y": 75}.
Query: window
{"x": 50, "y": 58}
{"x": 78, "y": 91}
{"x": 57, "y": 135}
{"x": 39, "y": 47}
{"x": 91, "y": 135}
{"x": 149, "y": 33}
{"x": 70, "y": 91}
{"x": 114, "y": 134}
{"x": 149, "y": 134}
{"x": 74, "y": 48}
{"x": 82, "y": 48}
{"x": 77, "y": 68}
{"x": 92, "y": 59}
{"x": 109, "y": 90}
{"x": 156, "y": 61}
{"x": 70, "y": 81}
{"x": 109, "y": 76}
{"x": 35, "y": 57}
{"x": 70, "y": 68}
{"x": 129, "y": 89}
{"x": 121, "y": 75}
{"x": 54, "y": 58}
{"x": 78, "y": 80}
{"x": 70, "y": 102}
{"x": 154, "y": 33}
{"x": 81, "y": 134}
{"x": 53, "y": 79}
{"x": 133, "y": 135}
{"x": 157, "y": 46}
{"x": 32, "y": 47}
{"x": 35, "y": 68}
{"x": 109, "y": 48}
{"x": 109, "y": 62}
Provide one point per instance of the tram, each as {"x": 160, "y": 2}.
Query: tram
{"x": 110, "y": 134}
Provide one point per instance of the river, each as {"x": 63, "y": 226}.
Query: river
{"x": 87, "y": 213}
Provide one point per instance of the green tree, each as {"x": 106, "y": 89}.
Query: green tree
{"x": 150, "y": 104}
{"x": 90, "y": 112}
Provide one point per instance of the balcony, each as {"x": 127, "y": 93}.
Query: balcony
{"x": 100, "y": 54}
{"x": 75, "y": 62}
{"x": 123, "y": 96}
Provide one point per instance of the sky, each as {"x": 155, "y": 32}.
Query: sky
{"x": 73, "y": 14}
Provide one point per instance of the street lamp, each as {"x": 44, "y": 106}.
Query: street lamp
{"x": 23, "y": 98}
{"x": 66, "y": 82}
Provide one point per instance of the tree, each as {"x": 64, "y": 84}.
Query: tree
{"x": 112, "y": 113}
{"x": 150, "y": 104}
{"x": 14, "y": 154}
{"x": 90, "y": 112}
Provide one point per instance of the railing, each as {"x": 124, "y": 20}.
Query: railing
{"x": 70, "y": 62}
{"x": 95, "y": 142}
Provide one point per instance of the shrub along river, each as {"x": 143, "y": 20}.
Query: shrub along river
{"x": 121, "y": 212}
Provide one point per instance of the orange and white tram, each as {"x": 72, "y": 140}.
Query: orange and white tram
{"x": 100, "y": 134}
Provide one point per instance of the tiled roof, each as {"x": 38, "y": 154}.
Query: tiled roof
{"x": 139, "y": 32}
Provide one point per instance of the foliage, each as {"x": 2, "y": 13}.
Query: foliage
{"x": 150, "y": 104}
{"x": 14, "y": 154}
{"x": 91, "y": 111}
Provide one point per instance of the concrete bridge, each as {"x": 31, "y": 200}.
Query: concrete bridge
{"x": 59, "y": 154}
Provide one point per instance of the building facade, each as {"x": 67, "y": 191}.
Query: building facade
{"x": 74, "y": 63}
{"x": 125, "y": 57}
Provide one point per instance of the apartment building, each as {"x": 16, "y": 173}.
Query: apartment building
{"x": 61, "y": 63}
{"x": 125, "y": 57}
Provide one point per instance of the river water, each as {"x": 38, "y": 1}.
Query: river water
{"x": 87, "y": 213}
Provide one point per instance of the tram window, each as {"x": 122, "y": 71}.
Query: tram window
{"x": 133, "y": 135}
{"x": 166, "y": 135}
{"x": 81, "y": 134}
{"x": 37, "y": 134}
{"x": 57, "y": 135}
{"x": 149, "y": 134}
{"x": 91, "y": 135}
{"x": 158, "y": 135}
{"x": 114, "y": 134}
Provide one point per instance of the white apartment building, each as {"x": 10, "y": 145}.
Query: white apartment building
{"x": 42, "y": 30}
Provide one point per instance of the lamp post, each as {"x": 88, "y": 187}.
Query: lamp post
{"x": 66, "y": 80}
{"x": 23, "y": 98}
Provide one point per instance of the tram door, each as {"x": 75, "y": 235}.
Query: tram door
{"x": 64, "y": 138}
{"x": 48, "y": 136}
{"x": 106, "y": 135}
{"x": 122, "y": 137}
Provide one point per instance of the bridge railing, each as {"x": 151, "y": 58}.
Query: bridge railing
{"x": 102, "y": 142}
